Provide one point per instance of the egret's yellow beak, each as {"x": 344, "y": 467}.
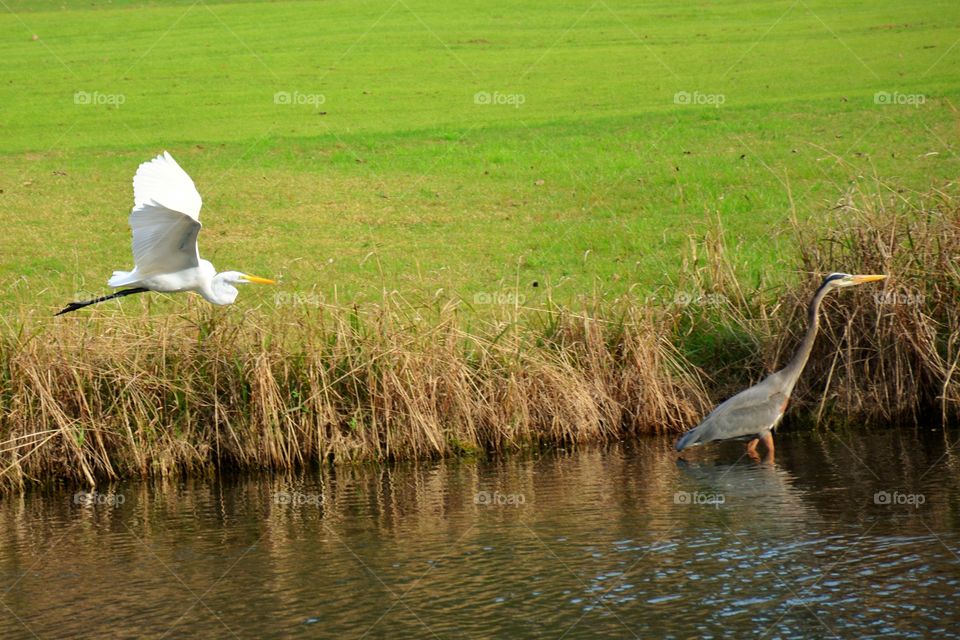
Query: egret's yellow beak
{"x": 865, "y": 279}
{"x": 258, "y": 280}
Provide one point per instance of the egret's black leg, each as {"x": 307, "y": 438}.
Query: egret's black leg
{"x": 73, "y": 306}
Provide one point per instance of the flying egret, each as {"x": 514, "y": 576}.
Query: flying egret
{"x": 753, "y": 413}
{"x": 165, "y": 222}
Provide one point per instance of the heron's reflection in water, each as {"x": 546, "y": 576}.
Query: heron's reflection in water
{"x": 764, "y": 489}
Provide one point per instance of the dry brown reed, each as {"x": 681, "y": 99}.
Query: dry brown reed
{"x": 886, "y": 353}
{"x": 108, "y": 394}
{"x": 892, "y": 354}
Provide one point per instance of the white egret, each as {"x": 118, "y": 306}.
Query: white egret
{"x": 165, "y": 222}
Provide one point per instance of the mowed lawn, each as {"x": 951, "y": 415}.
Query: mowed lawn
{"x": 454, "y": 149}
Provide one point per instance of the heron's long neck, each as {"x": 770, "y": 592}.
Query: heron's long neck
{"x": 795, "y": 367}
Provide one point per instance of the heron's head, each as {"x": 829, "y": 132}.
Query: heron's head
{"x": 838, "y": 280}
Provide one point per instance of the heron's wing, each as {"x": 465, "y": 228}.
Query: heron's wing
{"x": 749, "y": 413}
{"x": 165, "y": 217}
{"x": 749, "y": 419}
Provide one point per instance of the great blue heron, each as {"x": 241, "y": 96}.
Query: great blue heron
{"x": 754, "y": 412}
{"x": 165, "y": 222}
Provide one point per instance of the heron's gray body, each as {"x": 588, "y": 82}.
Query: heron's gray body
{"x": 749, "y": 414}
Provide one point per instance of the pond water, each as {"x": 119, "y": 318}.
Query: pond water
{"x": 844, "y": 535}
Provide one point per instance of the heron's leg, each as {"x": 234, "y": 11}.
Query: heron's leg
{"x": 768, "y": 441}
{"x": 752, "y": 445}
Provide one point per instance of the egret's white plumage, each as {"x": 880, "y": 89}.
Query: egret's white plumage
{"x": 165, "y": 221}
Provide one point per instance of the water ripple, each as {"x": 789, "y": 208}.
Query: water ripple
{"x": 608, "y": 542}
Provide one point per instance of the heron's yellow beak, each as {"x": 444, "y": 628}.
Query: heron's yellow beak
{"x": 258, "y": 280}
{"x": 865, "y": 279}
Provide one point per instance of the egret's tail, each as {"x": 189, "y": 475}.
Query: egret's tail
{"x": 123, "y": 279}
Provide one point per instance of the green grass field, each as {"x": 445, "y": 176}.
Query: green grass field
{"x": 351, "y": 147}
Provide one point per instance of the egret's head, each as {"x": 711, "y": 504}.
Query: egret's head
{"x": 224, "y": 291}
{"x": 837, "y": 280}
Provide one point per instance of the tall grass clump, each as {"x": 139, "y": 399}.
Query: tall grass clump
{"x": 110, "y": 393}
{"x": 886, "y": 353}
{"x": 891, "y": 355}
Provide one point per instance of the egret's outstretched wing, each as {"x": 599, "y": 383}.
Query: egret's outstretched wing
{"x": 165, "y": 217}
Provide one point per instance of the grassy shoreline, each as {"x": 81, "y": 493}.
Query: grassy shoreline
{"x": 496, "y": 225}
{"x": 312, "y": 155}
{"x": 109, "y": 395}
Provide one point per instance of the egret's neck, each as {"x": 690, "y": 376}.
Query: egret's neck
{"x": 795, "y": 367}
{"x": 219, "y": 290}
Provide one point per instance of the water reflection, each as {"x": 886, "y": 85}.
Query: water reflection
{"x": 619, "y": 541}
{"x": 765, "y": 490}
